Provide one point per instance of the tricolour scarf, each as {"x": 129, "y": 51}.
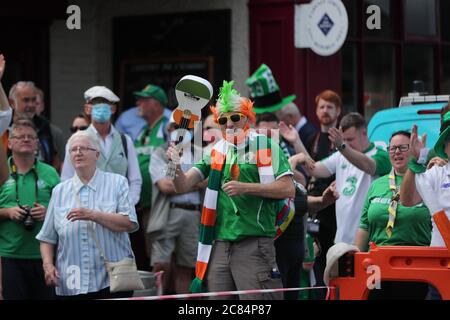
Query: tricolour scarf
{"x": 263, "y": 159}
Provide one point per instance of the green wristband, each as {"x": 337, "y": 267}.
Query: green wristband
{"x": 416, "y": 167}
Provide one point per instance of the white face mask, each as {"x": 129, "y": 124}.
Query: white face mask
{"x": 187, "y": 136}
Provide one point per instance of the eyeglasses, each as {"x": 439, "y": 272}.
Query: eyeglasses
{"x": 24, "y": 136}
{"x": 81, "y": 149}
{"x": 401, "y": 147}
{"x": 236, "y": 117}
{"x": 76, "y": 128}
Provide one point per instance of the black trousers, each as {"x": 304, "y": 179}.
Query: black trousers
{"x": 289, "y": 256}
{"x": 102, "y": 294}
{"x": 23, "y": 279}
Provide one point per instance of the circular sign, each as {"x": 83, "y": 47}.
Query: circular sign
{"x": 327, "y": 26}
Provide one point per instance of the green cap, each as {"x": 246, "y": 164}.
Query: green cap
{"x": 439, "y": 147}
{"x": 265, "y": 91}
{"x": 152, "y": 91}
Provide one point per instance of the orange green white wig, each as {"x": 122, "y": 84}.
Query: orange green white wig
{"x": 231, "y": 101}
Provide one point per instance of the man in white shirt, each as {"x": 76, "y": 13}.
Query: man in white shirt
{"x": 117, "y": 153}
{"x": 356, "y": 165}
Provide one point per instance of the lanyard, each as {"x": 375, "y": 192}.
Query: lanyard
{"x": 15, "y": 176}
{"x": 393, "y": 203}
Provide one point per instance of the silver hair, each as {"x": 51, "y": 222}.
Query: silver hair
{"x": 20, "y": 84}
{"x": 86, "y": 135}
{"x": 291, "y": 108}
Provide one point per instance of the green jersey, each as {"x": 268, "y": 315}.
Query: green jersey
{"x": 147, "y": 141}
{"x": 34, "y": 186}
{"x": 246, "y": 215}
{"x": 412, "y": 226}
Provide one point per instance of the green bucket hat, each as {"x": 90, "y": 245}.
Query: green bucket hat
{"x": 265, "y": 91}
{"x": 152, "y": 91}
{"x": 439, "y": 147}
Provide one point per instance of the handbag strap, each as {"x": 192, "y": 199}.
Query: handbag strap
{"x": 93, "y": 233}
{"x": 91, "y": 229}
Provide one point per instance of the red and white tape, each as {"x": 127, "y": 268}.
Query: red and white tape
{"x": 223, "y": 293}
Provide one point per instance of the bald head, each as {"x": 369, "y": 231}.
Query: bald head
{"x": 22, "y": 97}
{"x": 290, "y": 114}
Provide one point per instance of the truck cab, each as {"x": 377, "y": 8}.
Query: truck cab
{"x": 422, "y": 110}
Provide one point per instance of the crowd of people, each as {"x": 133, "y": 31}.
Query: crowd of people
{"x": 66, "y": 208}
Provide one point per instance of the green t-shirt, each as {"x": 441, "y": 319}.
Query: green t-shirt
{"x": 382, "y": 161}
{"x": 412, "y": 226}
{"x": 250, "y": 215}
{"x": 15, "y": 241}
{"x": 147, "y": 141}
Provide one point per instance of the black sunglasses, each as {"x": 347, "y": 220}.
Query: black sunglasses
{"x": 74, "y": 129}
{"x": 234, "y": 117}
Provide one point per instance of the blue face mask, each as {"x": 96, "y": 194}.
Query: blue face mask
{"x": 101, "y": 112}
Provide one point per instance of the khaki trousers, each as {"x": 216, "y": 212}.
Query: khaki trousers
{"x": 244, "y": 265}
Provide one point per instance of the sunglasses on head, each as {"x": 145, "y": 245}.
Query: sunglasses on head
{"x": 74, "y": 129}
{"x": 236, "y": 117}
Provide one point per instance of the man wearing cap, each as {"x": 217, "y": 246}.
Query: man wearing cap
{"x": 131, "y": 122}
{"x": 117, "y": 152}
{"x": 249, "y": 177}
{"x": 150, "y": 102}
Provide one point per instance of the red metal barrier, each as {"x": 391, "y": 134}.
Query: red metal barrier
{"x": 399, "y": 263}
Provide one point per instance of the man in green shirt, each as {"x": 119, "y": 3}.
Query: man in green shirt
{"x": 24, "y": 198}
{"x": 151, "y": 102}
{"x": 248, "y": 178}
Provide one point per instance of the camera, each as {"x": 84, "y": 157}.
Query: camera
{"x": 28, "y": 221}
{"x": 313, "y": 226}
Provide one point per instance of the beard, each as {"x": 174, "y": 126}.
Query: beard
{"x": 327, "y": 120}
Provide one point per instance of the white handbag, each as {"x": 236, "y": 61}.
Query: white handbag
{"x": 123, "y": 274}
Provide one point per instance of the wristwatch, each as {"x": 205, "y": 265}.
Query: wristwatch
{"x": 341, "y": 147}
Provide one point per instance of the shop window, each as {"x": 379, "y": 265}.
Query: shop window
{"x": 445, "y": 85}
{"x": 445, "y": 21}
{"x": 420, "y": 18}
{"x": 418, "y": 65}
{"x": 350, "y": 82}
{"x": 352, "y": 12}
{"x": 379, "y": 78}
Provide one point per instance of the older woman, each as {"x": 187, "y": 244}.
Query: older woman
{"x": 91, "y": 203}
{"x": 386, "y": 222}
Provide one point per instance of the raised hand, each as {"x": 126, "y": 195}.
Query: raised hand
{"x": 415, "y": 144}
{"x": 289, "y": 133}
{"x": 437, "y": 161}
{"x": 336, "y": 136}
